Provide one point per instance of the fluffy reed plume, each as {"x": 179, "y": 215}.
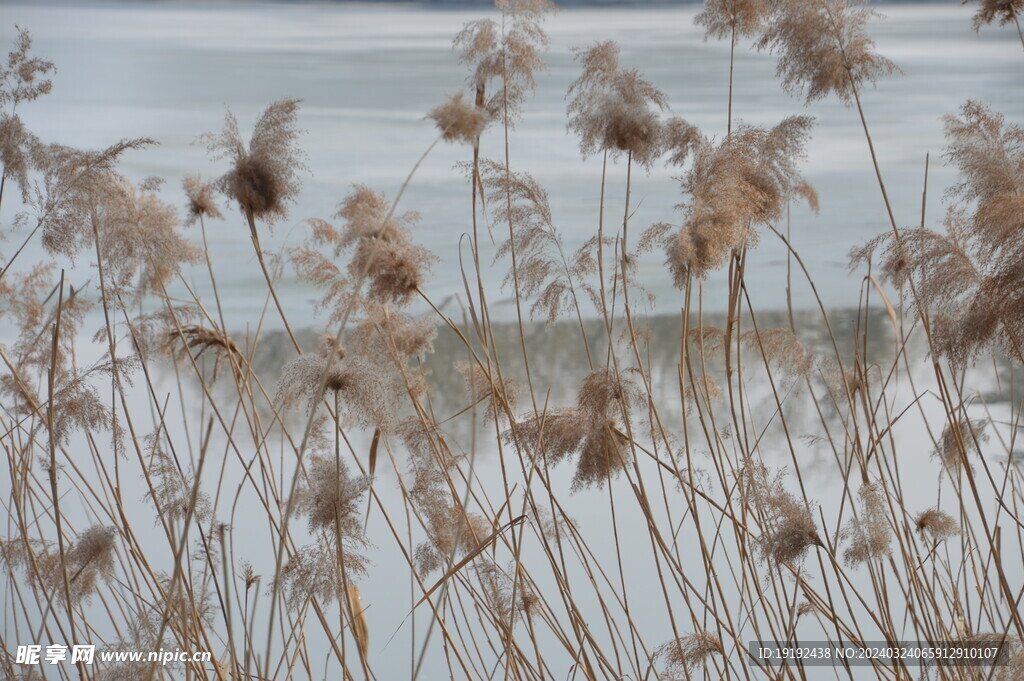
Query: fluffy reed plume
{"x": 989, "y": 153}
{"x": 452, "y": 531}
{"x": 16, "y": 146}
{"x": 404, "y": 336}
{"x": 330, "y": 499}
{"x": 315, "y": 572}
{"x": 959, "y": 438}
{"x": 499, "y": 395}
{"x": 935, "y": 525}
{"x": 91, "y": 557}
{"x": 87, "y": 560}
{"x": 705, "y": 340}
{"x": 76, "y": 404}
{"x": 314, "y": 266}
{"x": 175, "y": 492}
{"x": 201, "y": 202}
{"x": 969, "y": 278}
{"x": 459, "y": 121}
{"x": 194, "y": 336}
{"x": 509, "y": 52}
{"x": 688, "y": 654}
{"x": 496, "y": 584}
{"x": 787, "y": 526}
{"x": 70, "y": 184}
{"x": 139, "y": 239}
{"x": 353, "y": 384}
{"x": 743, "y": 181}
{"x": 263, "y": 178}
{"x": 824, "y": 48}
{"x": 543, "y": 270}
{"x": 870, "y": 535}
{"x": 1006, "y": 11}
{"x": 30, "y": 306}
{"x": 360, "y": 627}
{"x": 381, "y": 245}
{"x": 594, "y": 429}
{"x": 614, "y": 109}
{"x": 22, "y": 79}
{"x": 733, "y": 18}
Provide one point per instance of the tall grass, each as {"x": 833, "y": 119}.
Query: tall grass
{"x": 604, "y": 494}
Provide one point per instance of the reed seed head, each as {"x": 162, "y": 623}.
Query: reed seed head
{"x": 1005, "y": 11}
{"x": 263, "y": 178}
{"x": 201, "y": 203}
{"x": 936, "y": 525}
{"x": 459, "y": 120}
{"x": 824, "y": 48}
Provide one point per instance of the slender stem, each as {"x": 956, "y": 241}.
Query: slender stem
{"x": 732, "y": 62}
{"x": 266, "y": 275}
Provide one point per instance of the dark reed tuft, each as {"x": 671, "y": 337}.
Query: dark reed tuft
{"x": 614, "y": 109}
{"x": 263, "y": 178}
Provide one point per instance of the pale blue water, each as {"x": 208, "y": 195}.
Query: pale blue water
{"x": 369, "y": 74}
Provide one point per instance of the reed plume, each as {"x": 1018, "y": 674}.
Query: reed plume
{"x": 936, "y": 525}
{"x": 70, "y": 184}
{"x": 263, "y": 178}
{"x": 459, "y": 121}
{"x": 788, "y": 528}
{"x": 593, "y": 429}
{"x": 140, "y": 244}
{"x": 824, "y": 48}
{"x": 382, "y": 246}
{"x": 23, "y": 77}
{"x": 733, "y": 18}
{"x": 498, "y": 395}
{"x": 688, "y": 654}
{"x": 614, "y": 109}
{"x": 543, "y": 271}
{"x": 174, "y": 490}
{"x": 968, "y": 278}
{"x": 869, "y": 535}
{"x": 743, "y": 181}
{"x": 358, "y": 389}
{"x": 86, "y": 560}
{"x": 960, "y": 437}
{"x": 1005, "y": 11}
{"x": 509, "y": 52}
{"x": 201, "y": 201}
{"x": 330, "y": 499}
